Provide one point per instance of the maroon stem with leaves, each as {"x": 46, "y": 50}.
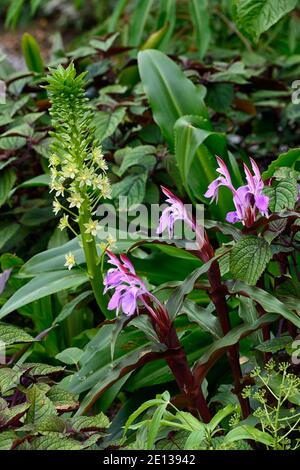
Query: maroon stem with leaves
{"x": 178, "y": 363}
{"x": 218, "y": 297}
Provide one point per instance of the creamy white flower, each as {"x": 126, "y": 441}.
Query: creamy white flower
{"x": 91, "y": 227}
{"x": 54, "y": 160}
{"x": 56, "y": 206}
{"x": 105, "y": 188}
{"x": 70, "y": 260}
{"x": 70, "y": 171}
{"x": 58, "y": 188}
{"x": 64, "y": 222}
{"x": 75, "y": 200}
{"x": 85, "y": 177}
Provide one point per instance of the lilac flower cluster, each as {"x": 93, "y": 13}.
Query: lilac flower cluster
{"x": 248, "y": 199}
{"x": 128, "y": 287}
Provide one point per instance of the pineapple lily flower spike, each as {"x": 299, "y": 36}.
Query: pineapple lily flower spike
{"x": 248, "y": 200}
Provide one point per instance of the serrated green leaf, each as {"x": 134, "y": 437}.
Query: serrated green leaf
{"x": 39, "y": 370}
{"x": 133, "y": 187}
{"x": 55, "y": 441}
{"x": 11, "y": 334}
{"x": 249, "y": 258}
{"x": 9, "y": 378}
{"x": 41, "y": 407}
{"x": 283, "y": 194}
{"x": 6, "y": 440}
{"x": 62, "y": 399}
{"x": 107, "y": 122}
{"x": 142, "y": 155}
{"x": 89, "y": 423}
{"x": 254, "y": 17}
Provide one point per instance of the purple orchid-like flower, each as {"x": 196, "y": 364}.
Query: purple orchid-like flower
{"x": 178, "y": 211}
{"x": 248, "y": 199}
{"x": 128, "y": 287}
{"x": 175, "y": 211}
{"x": 130, "y": 290}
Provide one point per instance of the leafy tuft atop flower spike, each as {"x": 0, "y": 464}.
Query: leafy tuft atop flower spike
{"x": 248, "y": 199}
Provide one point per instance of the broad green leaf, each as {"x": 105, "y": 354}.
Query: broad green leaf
{"x": 41, "y": 180}
{"x": 285, "y": 159}
{"x": 107, "y": 122}
{"x": 86, "y": 423}
{"x": 283, "y": 194}
{"x": 40, "y": 405}
{"x": 200, "y": 19}
{"x": 190, "y": 133}
{"x": 245, "y": 431}
{"x": 133, "y": 187}
{"x": 138, "y": 21}
{"x": 164, "y": 82}
{"x": 32, "y": 54}
{"x": 142, "y": 156}
{"x": 39, "y": 370}
{"x": 275, "y": 344}
{"x": 41, "y": 286}
{"x": 267, "y": 301}
{"x": 7, "y": 439}
{"x": 254, "y": 17}
{"x": 61, "y": 399}
{"x": 9, "y": 379}
{"x": 7, "y": 181}
{"x": 249, "y": 258}
{"x": 248, "y": 313}
{"x": 70, "y": 356}
{"x": 11, "y": 334}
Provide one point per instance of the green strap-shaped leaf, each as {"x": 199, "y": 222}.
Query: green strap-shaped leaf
{"x": 267, "y": 301}
{"x": 200, "y": 19}
{"x": 249, "y": 258}
{"x": 41, "y": 286}
{"x": 138, "y": 21}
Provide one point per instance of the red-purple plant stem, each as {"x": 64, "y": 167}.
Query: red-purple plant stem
{"x": 217, "y": 295}
{"x": 178, "y": 364}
